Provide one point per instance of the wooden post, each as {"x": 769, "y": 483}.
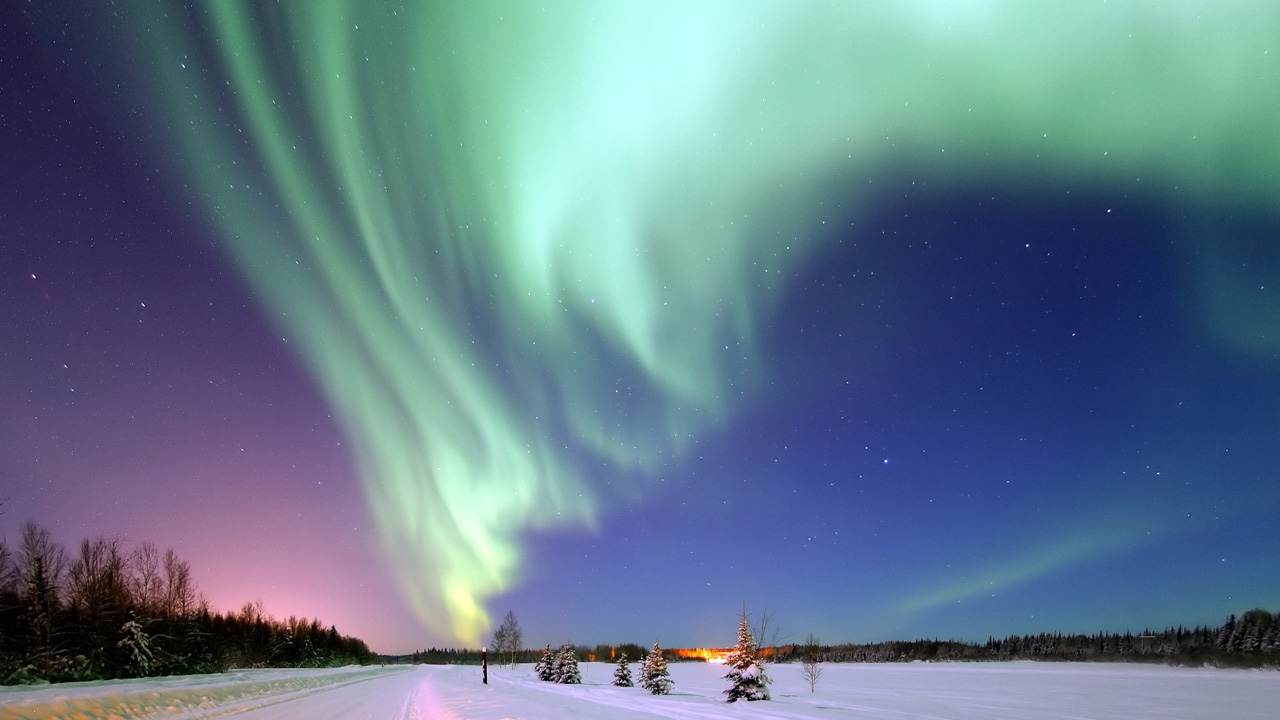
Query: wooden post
{"x": 484, "y": 664}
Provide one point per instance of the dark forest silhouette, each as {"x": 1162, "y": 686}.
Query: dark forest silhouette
{"x": 1252, "y": 640}
{"x": 110, "y": 613}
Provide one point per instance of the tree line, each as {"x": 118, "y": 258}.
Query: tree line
{"x": 1252, "y": 640}
{"x": 468, "y": 656}
{"x": 108, "y": 612}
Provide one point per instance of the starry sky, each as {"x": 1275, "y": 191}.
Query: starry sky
{"x": 897, "y": 319}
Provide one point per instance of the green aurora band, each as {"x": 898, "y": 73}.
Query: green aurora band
{"x": 508, "y": 238}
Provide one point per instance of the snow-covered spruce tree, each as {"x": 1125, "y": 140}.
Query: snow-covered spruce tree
{"x": 546, "y": 667}
{"x": 566, "y": 667}
{"x": 653, "y": 674}
{"x": 622, "y": 674}
{"x": 746, "y": 672}
{"x": 139, "y": 657}
{"x": 557, "y": 664}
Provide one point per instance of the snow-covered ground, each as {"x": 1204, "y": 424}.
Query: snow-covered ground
{"x": 959, "y": 691}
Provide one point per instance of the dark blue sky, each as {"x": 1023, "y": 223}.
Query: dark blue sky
{"x": 988, "y": 400}
{"x": 985, "y": 412}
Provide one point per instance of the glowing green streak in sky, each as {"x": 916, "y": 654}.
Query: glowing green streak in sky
{"x": 506, "y": 233}
{"x": 1047, "y": 558}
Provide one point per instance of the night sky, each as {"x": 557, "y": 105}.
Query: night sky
{"x": 897, "y": 319}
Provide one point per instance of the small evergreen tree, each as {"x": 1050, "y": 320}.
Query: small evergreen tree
{"x": 566, "y": 667}
{"x": 746, "y": 672}
{"x": 622, "y": 674}
{"x": 139, "y": 658}
{"x": 546, "y": 666}
{"x": 284, "y": 650}
{"x": 653, "y": 674}
{"x": 310, "y": 657}
{"x": 1227, "y": 632}
{"x": 197, "y": 654}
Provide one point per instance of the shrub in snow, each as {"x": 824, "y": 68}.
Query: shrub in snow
{"x": 622, "y": 674}
{"x": 653, "y": 674}
{"x": 746, "y": 671}
{"x": 546, "y": 666}
{"x": 566, "y": 667}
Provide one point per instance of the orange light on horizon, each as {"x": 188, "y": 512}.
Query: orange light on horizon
{"x": 708, "y": 654}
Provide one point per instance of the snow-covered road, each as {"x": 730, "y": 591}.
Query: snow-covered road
{"x": 958, "y": 691}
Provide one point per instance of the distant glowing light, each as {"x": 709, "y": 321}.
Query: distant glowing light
{"x": 708, "y": 654}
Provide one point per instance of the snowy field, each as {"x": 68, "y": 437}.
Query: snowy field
{"x": 960, "y": 691}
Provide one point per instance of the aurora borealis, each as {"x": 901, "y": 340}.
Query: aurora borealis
{"x": 947, "y": 314}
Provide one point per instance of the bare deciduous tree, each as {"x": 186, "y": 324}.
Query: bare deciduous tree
{"x": 179, "y": 589}
{"x": 97, "y": 591}
{"x": 508, "y": 638}
{"x": 766, "y": 634}
{"x": 8, "y": 571}
{"x": 10, "y": 593}
{"x": 43, "y": 564}
{"x": 96, "y": 581}
{"x": 253, "y": 612}
{"x": 145, "y": 582}
{"x": 39, "y": 549}
{"x": 810, "y": 657}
